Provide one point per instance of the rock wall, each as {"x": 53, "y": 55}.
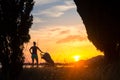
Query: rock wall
{"x": 102, "y": 22}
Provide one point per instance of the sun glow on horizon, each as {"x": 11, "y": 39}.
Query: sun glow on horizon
{"x": 76, "y": 58}
{"x": 54, "y": 32}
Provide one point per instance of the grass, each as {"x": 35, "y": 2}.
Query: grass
{"x": 92, "y": 69}
{"x": 76, "y": 72}
{"x": 49, "y": 73}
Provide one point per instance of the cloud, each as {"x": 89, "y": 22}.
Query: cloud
{"x": 64, "y": 32}
{"x": 52, "y": 12}
{"x": 72, "y": 38}
{"x": 57, "y": 11}
{"x": 37, "y": 20}
{"x": 54, "y": 29}
{"x": 43, "y": 2}
{"x": 70, "y": 2}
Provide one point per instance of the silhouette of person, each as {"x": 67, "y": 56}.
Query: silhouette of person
{"x": 33, "y": 50}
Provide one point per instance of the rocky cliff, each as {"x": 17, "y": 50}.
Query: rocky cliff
{"x": 102, "y": 22}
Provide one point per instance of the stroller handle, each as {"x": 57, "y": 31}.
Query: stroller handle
{"x": 42, "y": 53}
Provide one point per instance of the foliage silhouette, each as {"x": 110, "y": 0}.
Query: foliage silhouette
{"x": 15, "y": 22}
{"x": 101, "y": 19}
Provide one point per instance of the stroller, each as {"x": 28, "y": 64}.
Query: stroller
{"x": 46, "y": 56}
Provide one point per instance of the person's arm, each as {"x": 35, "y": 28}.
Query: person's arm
{"x": 40, "y": 50}
{"x": 30, "y": 50}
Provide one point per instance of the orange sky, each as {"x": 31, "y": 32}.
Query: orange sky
{"x": 63, "y": 43}
{"x": 58, "y": 29}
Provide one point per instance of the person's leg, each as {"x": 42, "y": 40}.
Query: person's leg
{"x": 37, "y": 61}
{"x": 32, "y": 61}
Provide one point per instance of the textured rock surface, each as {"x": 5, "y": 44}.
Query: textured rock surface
{"x": 102, "y": 22}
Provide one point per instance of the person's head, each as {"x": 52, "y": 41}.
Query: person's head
{"x": 34, "y": 43}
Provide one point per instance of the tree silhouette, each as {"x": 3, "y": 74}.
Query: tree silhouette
{"x": 101, "y": 19}
{"x": 15, "y": 22}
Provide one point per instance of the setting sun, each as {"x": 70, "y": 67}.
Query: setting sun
{"x": 76, "y": 58}
{"x": 53, "y": 30}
